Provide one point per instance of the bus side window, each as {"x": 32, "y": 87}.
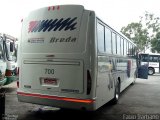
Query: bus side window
{"x": 150, "y": 58}
{"x": 125, "y": 47}
{"x": 100, "y": 33}
{"x": 144, "y": 58}
{"x": 155, "y": 58}
{"x": 118, "y": 45}
{"x": 114, "y": 41}
{"x": 108, "y": 40}
{"x": 122, "y": 46}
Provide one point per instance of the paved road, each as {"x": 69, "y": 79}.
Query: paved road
{"x": 139, "y": 101}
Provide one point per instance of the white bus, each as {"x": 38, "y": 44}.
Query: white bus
{"x": 3, "y": 64}
{"x": 9, "y": 55}
{"x": 69, "y": 58}
{"x": 152, "y": 60}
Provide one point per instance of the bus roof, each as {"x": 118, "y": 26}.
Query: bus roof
{"x": 117, "y": 32}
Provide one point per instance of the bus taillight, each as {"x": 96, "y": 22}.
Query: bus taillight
{"x": 17, "y": 71}
{"x": 17, "y": 84}
{"x": 89, "y": 81}
{"x": 8, "y": 73}
{"x": 17, "y": 75}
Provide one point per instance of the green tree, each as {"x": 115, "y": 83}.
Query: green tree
{"x": 144, "y": 33}
{"x": 155, "y": 43}
{"x": 137, "y": 34}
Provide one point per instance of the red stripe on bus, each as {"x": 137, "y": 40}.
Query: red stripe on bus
{"x": 56, "y": 98}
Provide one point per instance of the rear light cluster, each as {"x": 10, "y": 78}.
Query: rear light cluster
{"x": 89, "y": 82}
{"x": 17, "y": 84}
{"x": 17, "y": 71}
{"x": 14, "y": 72}
{"x": 8, "y": 73}
{"x": 53, "y": 8}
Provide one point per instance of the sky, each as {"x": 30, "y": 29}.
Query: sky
{"x": 116, "y": 13}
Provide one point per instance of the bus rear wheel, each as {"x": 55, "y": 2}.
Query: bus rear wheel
{"x": 150, "y": 71}
{"x": 116, "y": 94}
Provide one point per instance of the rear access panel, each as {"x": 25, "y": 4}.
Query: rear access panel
{"x": 57, "y": 75}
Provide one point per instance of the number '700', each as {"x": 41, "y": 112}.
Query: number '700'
{"x": 49, "y": 71}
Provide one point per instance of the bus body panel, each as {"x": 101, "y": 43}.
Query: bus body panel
{"x": 154, "y": 65}
{"x": 50, "y": 75}
{"x": 110, "y": 69}
{"x": 103, "y": 79}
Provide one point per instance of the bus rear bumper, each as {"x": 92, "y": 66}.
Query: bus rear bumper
{"x": 60, "y": 102}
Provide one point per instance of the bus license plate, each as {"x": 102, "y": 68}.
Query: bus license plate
{"x": 49, "y": 81}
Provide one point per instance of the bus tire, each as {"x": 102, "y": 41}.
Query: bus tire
{"x": 150, "y": 71}
{"x": 116, "y": 93}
